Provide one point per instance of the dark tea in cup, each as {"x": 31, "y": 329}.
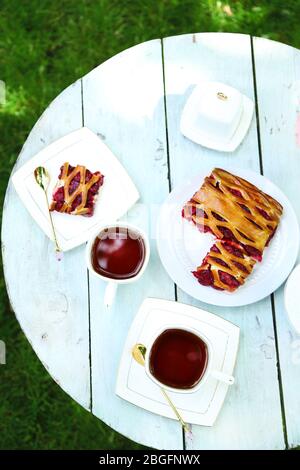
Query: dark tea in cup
{"x": 178, "y": 358}
{"x": 118, "y": 253}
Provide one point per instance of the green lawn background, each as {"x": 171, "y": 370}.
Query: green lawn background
{"x": 44, "y": 46}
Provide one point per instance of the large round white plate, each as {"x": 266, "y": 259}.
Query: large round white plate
{"x": 182, "y": 247}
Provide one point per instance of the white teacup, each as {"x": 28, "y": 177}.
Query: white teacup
{"x": 208, "y": 371}
{"x": 111, "y": 288}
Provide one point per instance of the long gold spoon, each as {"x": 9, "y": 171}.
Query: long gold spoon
{"x": 138, "y": 353}
{"x": 43, "y": 179}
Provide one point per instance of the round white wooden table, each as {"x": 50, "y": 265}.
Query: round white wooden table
{"x": 134, "y": 102}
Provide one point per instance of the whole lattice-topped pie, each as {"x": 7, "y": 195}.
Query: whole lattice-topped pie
{"x": 242, "y": 218}
{"x": 76, "y": 190}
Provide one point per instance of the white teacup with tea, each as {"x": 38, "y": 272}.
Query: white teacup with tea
{"x": 180, "y": 360}
{"x": 118, "y": 254}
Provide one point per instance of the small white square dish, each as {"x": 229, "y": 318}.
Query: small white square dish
{"x": 134, "y": 385}
{"x": 81, "y": 147}
{"x": 216, "y": 116}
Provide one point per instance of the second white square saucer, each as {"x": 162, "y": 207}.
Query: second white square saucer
{"x": 216, "y": 116}
{"x": 133, "y": 384}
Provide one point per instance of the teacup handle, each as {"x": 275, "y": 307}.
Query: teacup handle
{"x": 227, "y": 379}
{"x": 110, "y": 293}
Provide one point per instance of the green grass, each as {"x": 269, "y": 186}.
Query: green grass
{"x": 44, "y": 46}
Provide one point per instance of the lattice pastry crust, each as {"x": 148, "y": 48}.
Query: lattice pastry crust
{"x": 225, "y": 267}
{"x": 239, "y": 213}
{"x": 76, "y": 190}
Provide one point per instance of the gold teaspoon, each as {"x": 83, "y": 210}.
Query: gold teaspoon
{"x": 43, "y": 179}
{"x": 138, "y": 354}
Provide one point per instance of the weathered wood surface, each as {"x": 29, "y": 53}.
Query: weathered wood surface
{"x": 50, "y": 299}
{"x": 61, "y": 309}
{"x": 277, "y": 69}
{"x": 251, "y": 416}
{"x": 123, "y": 103}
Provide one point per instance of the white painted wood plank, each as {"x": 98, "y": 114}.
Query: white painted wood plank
{"x": 278, "y": 88}
{"x": 50, "y": 299}
{"x": 251, "y": 416}
{"x": 123, "y": 103}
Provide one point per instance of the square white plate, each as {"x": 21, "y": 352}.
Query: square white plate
{"x": 81, "y": 147}
{"x": 133, "y": 384}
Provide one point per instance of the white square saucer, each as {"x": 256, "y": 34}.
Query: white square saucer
{"x": 133, "y": 384}
{"x": 216, "y": 116}
{"x": 81, "y": 147}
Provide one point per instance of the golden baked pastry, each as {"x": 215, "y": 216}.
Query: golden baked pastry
{"x": 238, "y": 213}
{"x": 76, "y": 190}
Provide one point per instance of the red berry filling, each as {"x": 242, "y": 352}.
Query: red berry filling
{"x": 245, "y": 208}
{"x": 235, "y": 192}
{"x": 254, "y": 223}
{"x": 74, "y": 183}
{"x": 253, "y": 252}
{"x": 59, "y": 195}
{"x": 205, "y": 277}
{"x": 263, "y": 213}
{"x": 188, "y": 211}
{"x": 192, "y": 210}
{"x": 228, "y": 279}
{"x": 244, "y": 236}
{"x": 201, "y": 213}
{"x": 218, "y": 217}
{"x": 232, "y": 249}
{"x": 59, "y": 198}
{"x": 219, "y": 261}
{"x": 76, "y": 202}
{"x": 240, "y": 266}
{"x": 203, "y": 228}
{"x": 227, "y": 233}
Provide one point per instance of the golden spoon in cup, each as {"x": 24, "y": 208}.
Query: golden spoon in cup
{"x": 138, "y": 353}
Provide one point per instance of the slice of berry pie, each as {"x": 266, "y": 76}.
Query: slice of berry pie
{"x": 76, "y": 190}
{"x": 242, "y": 218}
{"x": 225, "y": 267}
